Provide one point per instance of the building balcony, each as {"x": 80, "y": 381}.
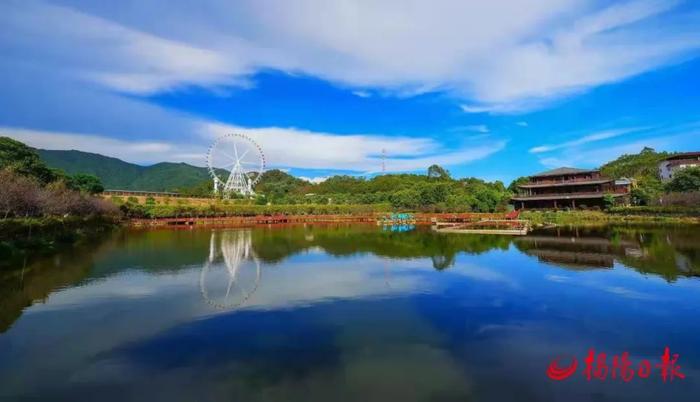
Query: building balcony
{"x": 563, "y": 183}
{"x": 570, "y": 196}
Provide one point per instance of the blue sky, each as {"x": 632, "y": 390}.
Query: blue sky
{"x": 493, "y": 89}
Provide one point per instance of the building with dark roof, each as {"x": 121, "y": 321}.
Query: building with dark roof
{"x": 672, "y": 164}
{"x": 567, "y": 187}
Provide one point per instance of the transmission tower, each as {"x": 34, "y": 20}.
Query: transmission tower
{"x": 383, "y": 161}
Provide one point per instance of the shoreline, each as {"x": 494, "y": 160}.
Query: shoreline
{"x": 418, "y": 218}
{"x": 35, "y": 237}
{"x": 536, "y": 217}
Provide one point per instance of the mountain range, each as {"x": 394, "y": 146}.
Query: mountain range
{"x": 166, "y": 176}
{"x": 118, "y": 174}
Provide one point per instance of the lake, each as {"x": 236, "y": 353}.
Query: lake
{"x": 355, "y": 313}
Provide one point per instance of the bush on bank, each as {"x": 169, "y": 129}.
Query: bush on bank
{"x": 26, "y": 197}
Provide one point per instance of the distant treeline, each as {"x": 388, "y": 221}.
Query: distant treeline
{"x": 434, "y": 191}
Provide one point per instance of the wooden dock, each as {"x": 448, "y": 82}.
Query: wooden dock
{"x": 511, "y": 227}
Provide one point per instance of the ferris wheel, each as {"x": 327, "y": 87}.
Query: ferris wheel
{"x": 235, "y": 162}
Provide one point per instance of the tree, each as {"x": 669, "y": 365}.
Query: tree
{"x": 644, "y": 168}
{"x": 24, "y": 160}
{"x": 204, "y": 188}
{"x": 608, "y": 201}
{"x": 687, "y": 179}
{"x": 407, "y": 199}
{"x": 438, "y": 172}
{"x": 260, "y": 199}
{"x": 277, "y": 184}
{"x": 86, "y": 183}
{"x": 460, "y": 202}
{"x": 647, "y": 191}
{"x": 432, "y": 193}
{"x": 513, "y": 186}
{"x": 19, "y": 195}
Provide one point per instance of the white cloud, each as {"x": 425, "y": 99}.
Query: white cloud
{"x": 502, "y": 62}
{"x": 522, "y": 123}
{"x": 480, "y": 128}
{"x": 475, "y": 108}
{"x": 362, "y": 94}
{"x": 131, "y": 151}
{"x": 110, "y": 54}
{"x": 283, "y": 147}
{"x": 63, "y": 69}
{"x": 298, "y": 148}
{"x": 599, "y": 136}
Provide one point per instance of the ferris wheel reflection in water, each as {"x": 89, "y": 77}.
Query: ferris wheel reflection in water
{"x": 231, "y": 274}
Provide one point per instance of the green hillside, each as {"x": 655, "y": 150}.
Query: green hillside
{"x": 644, "y": 168}
{"x": 117, "y": 174}
{"x": 170, "y": 176}
{"x": 643, "y": 164}
{"x": 114, "y": 173}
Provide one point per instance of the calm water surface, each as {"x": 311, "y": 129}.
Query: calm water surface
{"x": 350, "y": 314}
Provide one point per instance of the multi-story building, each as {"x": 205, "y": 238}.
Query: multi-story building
{"x": 672, "y": 164}
{"x": 567, "y": 187}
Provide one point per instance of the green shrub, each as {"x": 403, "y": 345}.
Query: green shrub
{"x": 687, "y": 179}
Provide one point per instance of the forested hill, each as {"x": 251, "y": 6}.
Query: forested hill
{"x": 638, "y": 166}
{"x": 117, "y": 174}
{"x": 644, "y": 168}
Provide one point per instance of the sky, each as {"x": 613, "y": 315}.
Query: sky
{"x": 491, "y": 89}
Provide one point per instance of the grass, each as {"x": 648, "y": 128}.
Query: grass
{"x": 617, "y": 215}
{"x": 657, "y": 210}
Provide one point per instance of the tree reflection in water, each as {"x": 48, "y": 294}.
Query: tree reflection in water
{"x": 669, "y": 252}
{"x": 231, "y": 274}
